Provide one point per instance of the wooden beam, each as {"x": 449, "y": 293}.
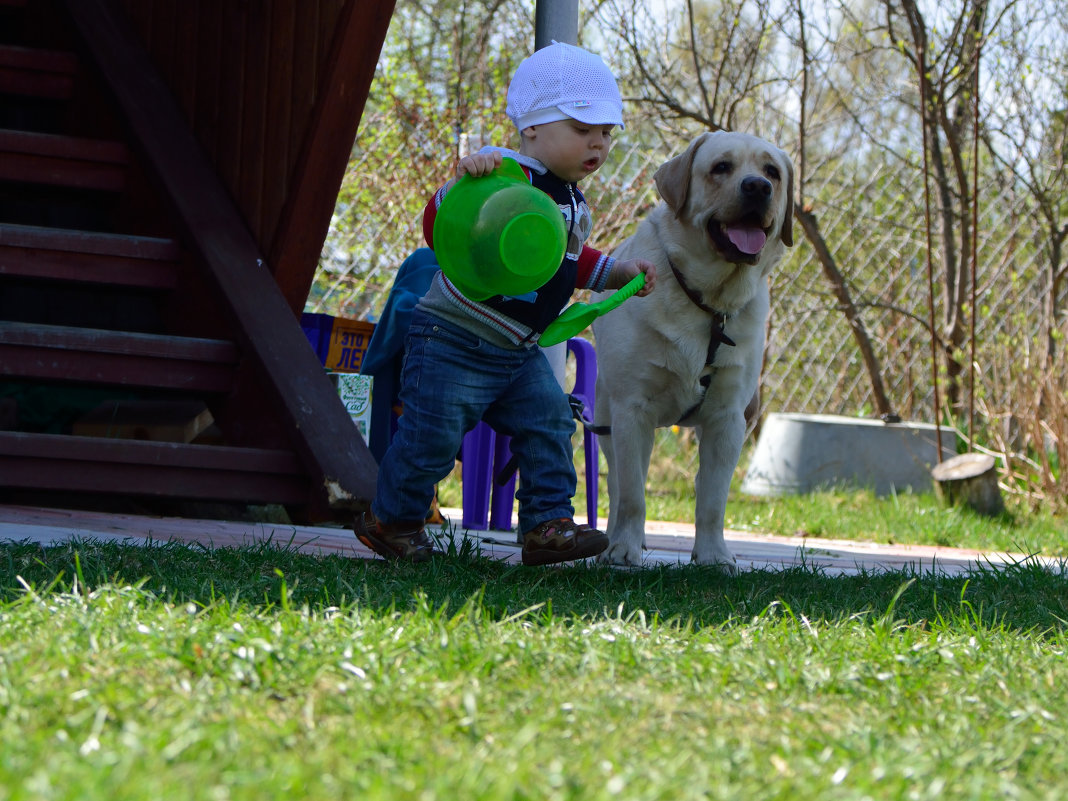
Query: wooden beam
{"x": 68, "y": 161}
{"x": 37, "y": 73}
{"x": 350, "y": 68}
{"x": 64, "y": 254}
{"x": 123, "y": 358}
{"x": 316, "y": 419}
{"x": 163, "y": 469}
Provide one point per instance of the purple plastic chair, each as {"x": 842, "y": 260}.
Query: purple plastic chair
{"x": 488, "y": 505}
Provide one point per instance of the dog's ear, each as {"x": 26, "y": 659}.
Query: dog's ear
{"x": 673, "y": 177}
{"x": 788, "y": 218}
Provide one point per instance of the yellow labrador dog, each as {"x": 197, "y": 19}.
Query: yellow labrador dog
{"x": 690, "y": 352}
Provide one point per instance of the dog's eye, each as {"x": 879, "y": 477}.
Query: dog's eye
{"x": 721, "y": 168}
{"x": 772, "y": 172}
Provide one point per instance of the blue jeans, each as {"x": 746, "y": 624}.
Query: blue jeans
{"x": 451, "y": 379}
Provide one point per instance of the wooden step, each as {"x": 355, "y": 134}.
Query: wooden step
{"x": 61, "y": 254}
{"x": 39, "y": 158}
{"x": 37, "y": 73}
{"x": 160, "y": 469}
{"x": 60, "y": 353}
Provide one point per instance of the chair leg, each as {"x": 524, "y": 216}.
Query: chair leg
{"x": 477, "y": 476}
{"x": 589, "y": 444}
{"x": 585, "y": 385}
{"x": 503, "y": 494}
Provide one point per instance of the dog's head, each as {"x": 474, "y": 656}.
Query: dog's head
{"x": 737, "y": 188}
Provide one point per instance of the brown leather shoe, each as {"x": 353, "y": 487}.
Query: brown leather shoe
{"x": 561, "y": 540}
{"x": 395, "y": 541}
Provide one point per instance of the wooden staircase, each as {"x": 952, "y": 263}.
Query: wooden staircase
{"x": 115, "y": 295}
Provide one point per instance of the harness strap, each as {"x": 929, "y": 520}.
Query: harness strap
{"x": 577, "y": 408}
{"x": 719, "y": 320}
{"x": 716, "y": 339}
{"x": 716, "y": 336}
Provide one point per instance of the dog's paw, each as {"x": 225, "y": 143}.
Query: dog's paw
{"x": 723, "y": 559}
{"x": 619, "y": 554}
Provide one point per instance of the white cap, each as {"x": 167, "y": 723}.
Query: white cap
{"x": 562, "y": 81}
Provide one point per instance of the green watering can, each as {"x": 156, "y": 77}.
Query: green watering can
{"x": 498, "y": 235}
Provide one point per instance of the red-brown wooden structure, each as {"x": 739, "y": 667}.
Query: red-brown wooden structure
{"x": 168, "y": 169}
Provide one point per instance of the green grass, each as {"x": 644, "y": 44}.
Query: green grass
{"x": 908, "y": 518}
{"x": 176, "y": 672}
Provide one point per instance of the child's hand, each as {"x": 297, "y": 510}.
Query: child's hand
{"x": 478, "y": 164}
{"x": 624, "y": 271}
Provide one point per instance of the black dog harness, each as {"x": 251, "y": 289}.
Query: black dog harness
{"x": 716, "y": 337}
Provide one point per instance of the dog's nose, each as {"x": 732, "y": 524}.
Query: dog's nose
{"x": 755, "y": 187}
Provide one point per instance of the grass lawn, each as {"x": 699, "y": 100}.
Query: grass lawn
{"x": 175, "y": 672}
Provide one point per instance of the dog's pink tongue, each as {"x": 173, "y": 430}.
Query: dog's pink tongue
{"x": 747, "y": 240}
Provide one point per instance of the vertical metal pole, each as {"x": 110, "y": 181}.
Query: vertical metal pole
{"x": 555, "y": 20}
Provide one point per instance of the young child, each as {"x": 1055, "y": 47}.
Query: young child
{"x": 467, "y": 361}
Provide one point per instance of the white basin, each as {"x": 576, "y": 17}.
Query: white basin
{"x": 798, "y": 453}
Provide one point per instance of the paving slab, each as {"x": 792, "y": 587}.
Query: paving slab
{"x": 667, "y": 543}
{"x": 671, "y": 543}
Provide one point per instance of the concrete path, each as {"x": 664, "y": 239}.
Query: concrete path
{"x": 667, "y": 543}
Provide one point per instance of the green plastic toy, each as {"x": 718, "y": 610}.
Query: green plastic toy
{"x": 578, "y": 316}
{"x": 498, "y": 235}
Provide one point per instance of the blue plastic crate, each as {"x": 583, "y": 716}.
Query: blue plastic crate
{"x": 318, "y": 328}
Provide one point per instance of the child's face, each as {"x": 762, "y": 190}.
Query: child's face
{"x": 571, "y": 149}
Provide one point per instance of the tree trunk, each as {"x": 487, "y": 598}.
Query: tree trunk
{"x": 970, "y": 479}
{"x": 846, "y": 304}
